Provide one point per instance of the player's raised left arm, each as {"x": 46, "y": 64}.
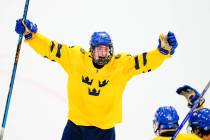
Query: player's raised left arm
{"x": 149, "y": 61}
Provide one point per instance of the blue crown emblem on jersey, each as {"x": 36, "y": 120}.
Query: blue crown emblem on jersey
{"x": 94, "y": 92}
{"x": 104, "y": 83}
{"x": 87, "y": 80}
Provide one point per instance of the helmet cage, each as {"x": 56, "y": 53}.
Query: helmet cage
{"x": 105, "y": 60}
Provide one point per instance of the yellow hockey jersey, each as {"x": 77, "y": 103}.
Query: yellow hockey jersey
{"x": 180, "y": 137}
{"x": 95, "y": 95}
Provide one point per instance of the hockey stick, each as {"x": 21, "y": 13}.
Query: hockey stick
{"x": 13, "y": 75}
{"x": 190, "y": 113}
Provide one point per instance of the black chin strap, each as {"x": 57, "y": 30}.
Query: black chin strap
{"x": 167, "y": 134}
{"x": 97, "y": 66}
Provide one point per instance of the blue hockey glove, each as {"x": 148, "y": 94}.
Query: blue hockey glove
{"x": 26, "y": 28}
{"x": 191, "y": 95}
{"x": 167, "y": 44}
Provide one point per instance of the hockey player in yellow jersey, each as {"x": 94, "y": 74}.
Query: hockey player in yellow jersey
{"x": 96, "y": 78}
{"x": 165, "y": 124}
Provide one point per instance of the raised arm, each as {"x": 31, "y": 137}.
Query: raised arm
{"x": 149, "y": 61}
{"x": 192, "y": 96}
{"x": 45, "y": 47}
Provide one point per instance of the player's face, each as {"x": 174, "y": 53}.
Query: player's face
{"x": 101, "y": 54}
{"x": 101, "y": 51}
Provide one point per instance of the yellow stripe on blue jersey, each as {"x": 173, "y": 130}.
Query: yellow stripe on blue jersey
{"x": 180, "y": 137}
{"x": 95, "y": 95}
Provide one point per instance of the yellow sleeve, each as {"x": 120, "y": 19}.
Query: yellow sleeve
{"x": 143, "y": 63}
{"x": 52, "y": 50}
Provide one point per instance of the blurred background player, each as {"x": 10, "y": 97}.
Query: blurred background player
{"x": 199, "y": 123}
{"x": 165, "y": 124}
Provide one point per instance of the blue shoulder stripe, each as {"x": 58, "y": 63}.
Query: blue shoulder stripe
{"x": 58, "y": 54}
{"x": 52, "y": 46}
{"x": 144, "y": 58}
{"x": 136, "y": 62}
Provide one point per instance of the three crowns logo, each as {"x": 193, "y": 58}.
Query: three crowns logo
{"x": 94, "y": 92}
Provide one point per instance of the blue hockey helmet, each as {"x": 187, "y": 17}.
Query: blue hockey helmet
{"x": 100, "y": 38}
{"x": 200, "y": 121}
{"x": 166, "y": 118}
